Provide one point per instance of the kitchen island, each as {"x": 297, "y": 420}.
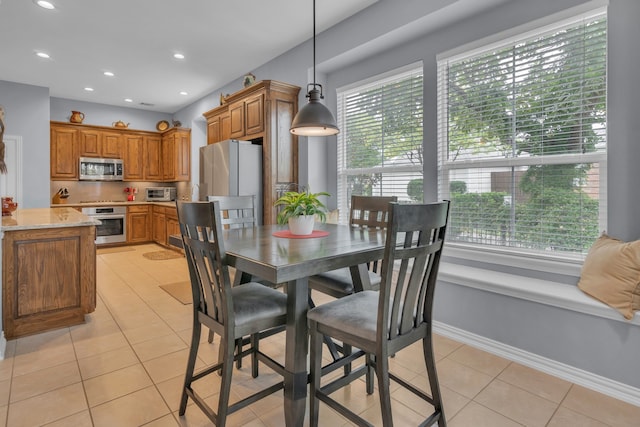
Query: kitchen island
{"x": 48, "y": 269}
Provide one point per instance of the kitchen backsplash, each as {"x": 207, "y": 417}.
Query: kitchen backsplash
{"x": 89, "y": 191}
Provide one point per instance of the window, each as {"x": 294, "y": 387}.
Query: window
{"x": 522, "y": 140}
{"x": 380, "y": 139}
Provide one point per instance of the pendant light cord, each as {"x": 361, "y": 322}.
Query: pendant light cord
{"x": 314, "y": 44}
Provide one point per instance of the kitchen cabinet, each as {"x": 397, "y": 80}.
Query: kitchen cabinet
{"x": 176, "y": 155}
{"x": 99, "y": 143}
{"x": 133, "y": 152}
{"x": 49, "y": 276}
{"x": 147, "y": 155}
{"x": 64, "y": 153}
{"x": 172, "y": 224}
{"x": 219, "y": 128}
{"x": 263, "y": 113}
{"x": 138, "y": 224}
{"x": 152, "y": 148}
{"x": 159, "y": 225}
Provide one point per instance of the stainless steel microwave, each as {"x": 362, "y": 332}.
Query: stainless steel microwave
{"x": 94, "y": 169}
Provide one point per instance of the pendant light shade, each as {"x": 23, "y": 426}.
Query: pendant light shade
{"x": 314, "y": 119}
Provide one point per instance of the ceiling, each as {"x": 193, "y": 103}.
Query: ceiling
{"x": 136, "y": 39}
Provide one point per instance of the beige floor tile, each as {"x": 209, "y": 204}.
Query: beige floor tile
{"x": 106, "y": 362}
{"x": 475, "y": 415}
{"x": 27, "y": 362}
{"x": 145, "y": 330}
{"x": 602, "y": 408}
{"x": 99, "y": 344}
{"x": 47, "y": 407}
{"x": 81, "y": 419}
{"x": 132, "y": 410}
{"x": 110, "y": 386}
{"x": 44, "y": 380}
{"x": 443, "y": 346}
{"x": 157, "y": 347}
{"x": 538, "y": 383}
{"x": 567, "y": 418}
{"x": 43, "y": 341}
{"x": 169, "y": 366}
{"x": 516, "y": 404}
{"x": 479, "y": 360}
{"x": 5, "y": 390}
{"x": 402, "y": 415}
{"x": 461, "y": 379}
{"x": 166, "y": 421}
{"x": 3, "y": 415}
{"x": 6, "y": 365}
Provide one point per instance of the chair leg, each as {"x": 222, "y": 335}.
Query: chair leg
{"x": 347, "y": 350}
{"x": 255, "y": 343}
{"x": 370, "y": 372}
{"x": 239, "y": 350}
{"x": 210, "y": 338}
{"x": 225, "y": 387}
{"x": 191, "y": 364}
{"x": 315, "y": 352}
{"x": 382, "y": 372}
{"x": 427, "y": 349}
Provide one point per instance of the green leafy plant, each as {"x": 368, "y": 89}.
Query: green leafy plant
{"x": 300, "y": 203}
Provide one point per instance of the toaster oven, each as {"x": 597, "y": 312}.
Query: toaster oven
{"x": 160, "y": 194}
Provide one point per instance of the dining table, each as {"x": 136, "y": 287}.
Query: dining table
{"x": 290, "y": 260}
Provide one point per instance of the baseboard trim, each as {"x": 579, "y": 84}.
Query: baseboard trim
{"x": 578, "y": 376}
{"x": 3, "y": 345}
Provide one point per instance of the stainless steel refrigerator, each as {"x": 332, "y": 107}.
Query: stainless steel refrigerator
{"x": 232, "y": 168}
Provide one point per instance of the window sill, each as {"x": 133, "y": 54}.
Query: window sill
{"x": 560, "y": 295}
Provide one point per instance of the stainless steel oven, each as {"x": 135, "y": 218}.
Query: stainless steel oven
{"x": 113, "y": 227}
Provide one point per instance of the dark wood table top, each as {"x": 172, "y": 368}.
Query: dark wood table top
{"x": 278, "y": 260}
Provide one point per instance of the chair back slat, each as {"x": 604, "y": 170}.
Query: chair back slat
{"x": 370, "y": 211}
{"x": 415, "y": 236}
{"x": 200, "y": 227}
{"x": 237, "y": 211}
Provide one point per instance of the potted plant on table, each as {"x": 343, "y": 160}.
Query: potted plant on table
{"x": 299, "y": 210}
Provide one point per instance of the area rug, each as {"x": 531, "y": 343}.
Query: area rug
{"x": 180, "y": 291}
{"x": 162, "y": 255}
{"x": 103, "y": 251}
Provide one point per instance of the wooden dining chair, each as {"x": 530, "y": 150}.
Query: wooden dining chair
{"x": 380, "y": 323}
{"x": 232, "y": 312}
{"x": 365, "y": 212}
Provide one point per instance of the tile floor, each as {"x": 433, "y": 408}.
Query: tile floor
{"x": 125, "y": 367}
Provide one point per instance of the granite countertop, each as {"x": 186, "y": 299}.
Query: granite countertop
{"x": 27, "y": 219}
{"x": 112, "y": 203}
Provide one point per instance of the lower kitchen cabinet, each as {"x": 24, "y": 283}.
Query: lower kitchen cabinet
{"x": 138, "y": 224}
{"x": 159, "y": 225}
{"x": 48, "y": 280}
{"x": 173, "y": 226}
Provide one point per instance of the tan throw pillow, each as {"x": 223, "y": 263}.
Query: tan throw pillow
{"x": 611, "y": 274}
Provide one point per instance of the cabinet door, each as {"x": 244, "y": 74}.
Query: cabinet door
{"x": 169, "y": 157}
{"x": 111, "y": 145}
{"x": 172, "y": 224}
{"x": 138, "y": 227}
{"x": 64, "y": 153}
{"x": 213, "y": 130}
{"x": 236, "y": 113}
{"x": 132, "y": 158}
{"x": 153, "y": 161}
{"x": 90, "y": 143}
{"x": 159, "y": 227}
{"x": 254, "y": 110}
{"x": 183, "y": 156}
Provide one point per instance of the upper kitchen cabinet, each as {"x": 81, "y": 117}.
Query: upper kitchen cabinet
{"x": 146, "y": 155}
{"x": 64, "y": 153}
{"x": 176, "y": 155}
{"x": 100, "y": 143}
{"x": 262, "y": 113}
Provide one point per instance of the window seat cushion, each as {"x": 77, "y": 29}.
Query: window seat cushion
{"x": 611, "y": 274}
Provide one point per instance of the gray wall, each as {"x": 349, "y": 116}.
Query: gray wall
{"x": 27, "y": 115}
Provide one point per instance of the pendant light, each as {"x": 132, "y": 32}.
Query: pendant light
{"x": 314, "y": 119}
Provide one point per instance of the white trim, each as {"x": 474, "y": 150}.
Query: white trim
{"x": 3, "y": 346}
{"x": 581, "y": 377}
{"x": 525, "y": 31}
{"x": 381, "y": 79}
{"x": 560, "y": 295}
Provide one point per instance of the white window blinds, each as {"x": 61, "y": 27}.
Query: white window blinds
{"x": 380, "y": 139}
{"x": 522, "y": 139}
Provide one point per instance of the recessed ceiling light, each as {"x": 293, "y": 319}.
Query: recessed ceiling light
{"x": 183, "y": 93}
{"x": 128, "y": 100}
{"x": 108, "y": 74}
{"x": 43, "y": 55}
{"x": 45, "y": 4}
{"x": 178, "y": 56}
{"x": 88, "y": 89}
